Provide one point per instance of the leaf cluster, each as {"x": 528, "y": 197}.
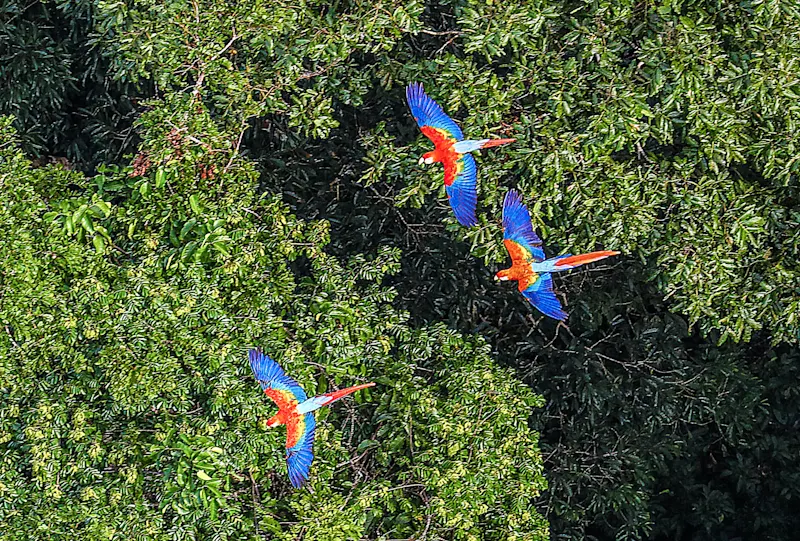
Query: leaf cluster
{"x": 128, "y": 405}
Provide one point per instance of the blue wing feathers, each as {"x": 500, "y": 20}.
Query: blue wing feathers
{"x": 271, "y": 376}
{"x": 463, "y": 193}
{"x": 517, "y": 225}
{"x": 429, "y": 113}
{"x": 264, "y": 368}
{"x": 299, "y": 457}
{"x": 541, "y": 296}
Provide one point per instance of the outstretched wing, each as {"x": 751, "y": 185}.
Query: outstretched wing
{"x": 460, "y": 181}
{"x": 540, "y": 294}
{"x": 432, "y": 120}
{"x": 283, "y": 390}
{"x": 522, "y": 243}
{"x": 299, "y": 443}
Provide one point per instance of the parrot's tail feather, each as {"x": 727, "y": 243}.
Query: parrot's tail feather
{"x": 496, "y": 142}
{"x": 577, "y": 260}
{"x": 336, "y": 395}
{"x": 324, "y": 399}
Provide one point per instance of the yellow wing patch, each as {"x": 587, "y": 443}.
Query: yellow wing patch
{"x": 518, "y": 253}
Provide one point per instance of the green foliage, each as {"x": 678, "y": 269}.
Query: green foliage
{"x": 128, "y": 406}
{"x": 653, "y": 432}
{"x": 632, "y": 121}
{"x": 194, "y": 488}
{"x": 665, "y": 130}
{"x": 56, "y": 84}
{"x": 475, "y": 468}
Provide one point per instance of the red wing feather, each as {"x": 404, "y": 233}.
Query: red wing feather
{"x": 299, "y": 448}
{"x": 450, "y": 169}
{"x": 460, "y": 181}
{"x": 428, "y": 113}
{"x": 285, "y": 400}
{"x": 440, "y": 138}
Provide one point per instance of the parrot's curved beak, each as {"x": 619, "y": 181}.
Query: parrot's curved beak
{"x": 421, "y": 160}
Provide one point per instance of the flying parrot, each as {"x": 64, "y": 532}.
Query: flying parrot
{"x": 295, "y": 411}
{"x": 528, "y": 266}
{"x": 460, "y": 171}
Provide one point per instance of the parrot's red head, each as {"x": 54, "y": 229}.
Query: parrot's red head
{"x": 427, "y": 158}
{"x": 273, "y": 421}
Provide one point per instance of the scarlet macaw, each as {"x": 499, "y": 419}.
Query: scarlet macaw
{"x": 294, "y": 411}
{"x": 528, "y": 266}
{"x": 460, "y": 171}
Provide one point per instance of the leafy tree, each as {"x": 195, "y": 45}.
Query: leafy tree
{"x": 665, "y": 130}
{"x": 626, "y": 138}
{"x": 128, "y": 407}
{"x": 55, "y": 81}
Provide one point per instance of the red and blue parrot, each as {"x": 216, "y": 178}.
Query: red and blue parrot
{"x": 295, "y": 410}
{"x": 452, "y": 150}
{"x": 528, "y": 265}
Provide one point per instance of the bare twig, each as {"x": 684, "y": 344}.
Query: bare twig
{"x": 256, "y": 501}
{"x": 119, "y": 249}
{"x": 446, "y": 44}
{"x": 227, "y": 46}
{"x": 445, "y": 33}
{"x": 253, "y": 213}
{"x": 428, "y": 517}
{"x": 11, "y": 336}
{"x": 198, "y": 85}
{"x": 235, "y": 149}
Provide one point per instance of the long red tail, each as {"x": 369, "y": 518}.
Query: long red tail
{"x": 496, "y": 142}
{"x": 336, "y": 395}
{"x": 575, "y": 260}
